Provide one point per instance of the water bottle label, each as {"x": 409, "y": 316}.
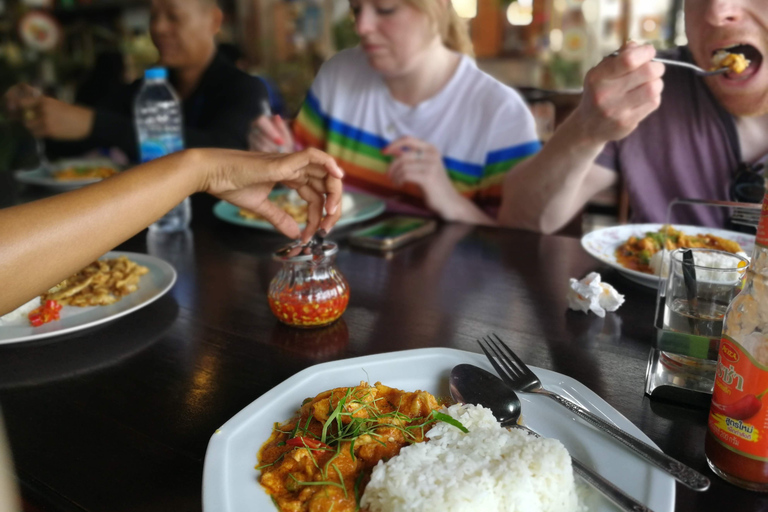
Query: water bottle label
{"x": 159, "y": 147}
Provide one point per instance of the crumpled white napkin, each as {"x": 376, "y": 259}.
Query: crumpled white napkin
{"x": 590, "y": 294}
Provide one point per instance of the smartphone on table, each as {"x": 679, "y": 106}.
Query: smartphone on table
{"x": 392, "y": 233}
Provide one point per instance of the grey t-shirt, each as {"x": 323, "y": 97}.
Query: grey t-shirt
{"x": 688, "y": 148}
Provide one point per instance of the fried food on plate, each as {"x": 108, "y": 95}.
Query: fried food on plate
{"x": 296, "y": 207}
{"x": 291, "y": 203}
{"x": 101, "y": 283}
{"x": 84, "y": 173}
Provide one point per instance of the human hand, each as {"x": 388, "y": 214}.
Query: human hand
{"x": 620, "y": 92}
{"x": 246, "y": 179}
{"x": 420, "y": 163}
{"x": 13, "y": 96}
{"x": 47, "y": 117}
{"x": 270, "y": 134}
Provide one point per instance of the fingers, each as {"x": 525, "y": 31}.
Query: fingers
{"x": 618, "y": 91}
{"x": 280, "y": 219}
{"x": 406, "y": 169}
{"x": 631, "y": 57}
{"x": 16, "y": 94}
{"x": 643, "y": 100}
{"x": 268, "y": 127}
{"x": 334, "y": 192}
{"x": 315, "y": 202}
{"x": 405, "y": 144}
{"x": 314, "y": 157}
{"x": 284, "y": 130}
{"x": 258, "y": 141}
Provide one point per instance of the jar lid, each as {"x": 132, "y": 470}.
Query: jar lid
{"x": 298, "y": 251}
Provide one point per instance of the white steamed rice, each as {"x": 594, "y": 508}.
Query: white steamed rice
{"x": 489, "y": 469}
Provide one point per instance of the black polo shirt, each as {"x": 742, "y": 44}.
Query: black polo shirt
{"x": 217, "y": 114}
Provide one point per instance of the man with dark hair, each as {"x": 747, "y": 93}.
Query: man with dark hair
{"x": 219, "y": 100}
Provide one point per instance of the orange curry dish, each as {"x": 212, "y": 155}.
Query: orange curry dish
{"x": 636, "y": 253}
{"x": 321, "y": 460}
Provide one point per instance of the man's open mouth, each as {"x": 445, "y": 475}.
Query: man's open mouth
{"x": 750, "y": 53}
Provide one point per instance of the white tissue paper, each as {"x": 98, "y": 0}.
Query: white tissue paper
{"x": 590, "y": 294}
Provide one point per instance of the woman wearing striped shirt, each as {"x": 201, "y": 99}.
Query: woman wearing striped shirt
{"x": 408, "y": 115}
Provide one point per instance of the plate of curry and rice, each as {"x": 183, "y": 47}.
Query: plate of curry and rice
{"x": 636, "y": 250}
{"x": 292, "y": 447}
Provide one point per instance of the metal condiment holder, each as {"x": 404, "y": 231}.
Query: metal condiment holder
{"x": 666, "y": 378}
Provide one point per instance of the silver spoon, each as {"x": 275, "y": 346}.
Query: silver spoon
{"x": 692, "y": 67}
{"x": 472, "y": 385}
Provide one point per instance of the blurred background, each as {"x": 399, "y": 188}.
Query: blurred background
{"x": 75, "y": 48}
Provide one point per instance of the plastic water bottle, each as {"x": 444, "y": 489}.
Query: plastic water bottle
{"x": 159, "y": 127}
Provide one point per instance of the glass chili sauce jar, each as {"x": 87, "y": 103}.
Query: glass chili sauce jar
{"x": 308, "y": 291}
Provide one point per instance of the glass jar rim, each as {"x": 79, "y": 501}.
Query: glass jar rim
{"x": 284, "y": 253}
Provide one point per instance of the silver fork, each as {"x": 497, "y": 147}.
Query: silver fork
{"x": 692, "y": 67}
{"x": 746, "y": 214}
{"x": 520, "y": 378}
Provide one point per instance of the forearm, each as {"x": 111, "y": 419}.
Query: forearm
{"x": 35, "y": 237}
{"x": 544, "y": 192}
{"x": 465, "y": 211}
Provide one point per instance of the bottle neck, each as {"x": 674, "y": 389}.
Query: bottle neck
{"x": 762, "y": 228}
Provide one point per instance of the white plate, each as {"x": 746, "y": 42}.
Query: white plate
{"x": 230, "y": 481}
{"x": 152, "y": 286}
{"x": 602, "y": 244}
{"x": 364, "y": 207}
{"x": 42, "y": 178}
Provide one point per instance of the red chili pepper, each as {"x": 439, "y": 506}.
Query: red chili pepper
{"x": 306, "y": 442}
{"x": 35, "y": 319}
{"x": 743, "y": 408}
{"x": 48, "y": 312}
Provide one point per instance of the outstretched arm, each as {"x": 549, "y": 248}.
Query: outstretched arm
{"x": 46, "y": 241}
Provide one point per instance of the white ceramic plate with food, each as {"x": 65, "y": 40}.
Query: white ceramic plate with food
{"x": 356, "y": 207}
{"x": 152, "y": 286}
{"x": 230, "y": 482}
{"x": 602, "y": 244}
{"x": 45, "y": 178}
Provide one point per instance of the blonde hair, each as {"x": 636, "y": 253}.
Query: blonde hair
{"x": 452, "y": 29}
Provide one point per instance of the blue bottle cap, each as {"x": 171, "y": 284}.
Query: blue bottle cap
{"x": 156, "y": 74}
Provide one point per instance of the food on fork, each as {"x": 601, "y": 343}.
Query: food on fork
{"x": 637, "y": 252}
{"x": 725, "y": 59}
{"x": 83, "y": 172}
{"x": 101, "y": 283}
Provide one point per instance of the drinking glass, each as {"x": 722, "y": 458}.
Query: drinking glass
{"x": 690, "y": 315}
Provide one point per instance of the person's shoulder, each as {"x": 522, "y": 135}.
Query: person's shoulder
{"x": 238, "y": 79}
{"x": 490, "y": 94}
{"x": 345, "y": 75}
{"x": 347, "y": 62}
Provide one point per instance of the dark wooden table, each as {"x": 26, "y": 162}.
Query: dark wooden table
{"x": 118, "y": 417}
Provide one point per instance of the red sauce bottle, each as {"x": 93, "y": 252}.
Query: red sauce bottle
{"x": 737, "y": 437}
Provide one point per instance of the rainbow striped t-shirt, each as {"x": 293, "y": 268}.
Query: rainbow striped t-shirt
{"x": 481, "y": 127}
